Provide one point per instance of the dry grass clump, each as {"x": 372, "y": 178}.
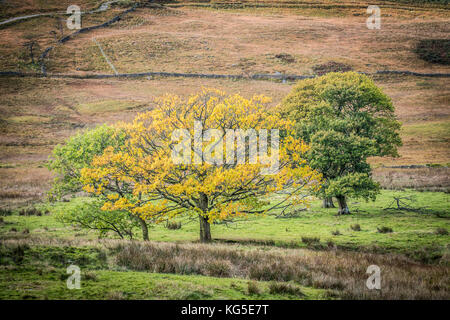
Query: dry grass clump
{"x": 253, "y": 288}
{"x": 90, "y": 275}
{"x": 285, "y": 288}
{"x": 385, "y": 230}
{"x": 336, "y": 232}
{"x": 116, "y": 295}
{"x": 331, "y": 66}
{"x": 344, "y": 273}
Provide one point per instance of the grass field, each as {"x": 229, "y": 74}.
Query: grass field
{"x": 312, "y": 255}
{"x": 36, "y": 248}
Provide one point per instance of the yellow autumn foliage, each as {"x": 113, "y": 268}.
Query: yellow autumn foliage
{"x": 143, "y": 179}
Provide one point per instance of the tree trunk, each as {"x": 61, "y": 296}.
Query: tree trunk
{"x": 205, "y": 227}
{"x": 328, "y": 202}
{"x": 343, "y": 208}
{"x": 144, "y": 228}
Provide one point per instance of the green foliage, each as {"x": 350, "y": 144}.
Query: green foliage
{"x": 357, "y": 185}
{"x": 78, "y": 152}
{"x": 88, "y": 215}
{"x": 345, "y": 118}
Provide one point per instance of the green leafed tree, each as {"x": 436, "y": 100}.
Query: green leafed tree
{"x": 346, "y": 119}
{"x": 67, "y": 159}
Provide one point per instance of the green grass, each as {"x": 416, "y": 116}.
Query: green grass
{"x": 32, "y": 265}
{"x": 412, "y": 231}
{"x": 29, "y": 119}
{"x": 50, "y": 283}
{"x": 431, "y": 131}
{"x": 39, "y": 272}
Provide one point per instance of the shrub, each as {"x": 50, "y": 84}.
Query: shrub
{"x": 331, "y": 244}
{"x": 429, "y": 254}
{"x": 434, "y": 50}
{"x": 285, "y": 288}
{"x": 5, "y": 212}
{"x": 327, "y": 282}
{"x": 15, "y": 253}
{"x": 355, "y": 227}
{"x": 219, "y": 268}
{"x": 385, "y": 230}
{"x": 331, "y": 66}
{"x": 336, "y": 233}
{"x": 253, "y": 288}
{"x": 441, "y": 231}
{"x": 30, "y": 212}
{"x": 310, "y": 240}
{"x": 285, "y": 57}
{"x": 89, "y": 275}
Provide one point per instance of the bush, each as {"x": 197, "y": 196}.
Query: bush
{"x": 310, "y": 240}
{"x": 285, "y": 288}
{"x": 253, "y": 288}
{"x": 385, "y": 230}
{"x": 89, "y": 275}
{"x": 13, "y": 254}
{"x": 441, "y": 231}
{"x": 355, "y": 227}
{"x": 30, "y": 212}
{"x": 336, "y": 233}
{"x": 219, "y": 268}
{"x": 331, "y": 244}
{"x": 5, "y": 212}
{"x": 434, "y": 50}
{"x": 331, "y": 66}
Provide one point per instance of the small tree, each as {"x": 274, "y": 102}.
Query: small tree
{"x": 345, "y": 118}
{"x": 161, "y": 172}
{"x": 67, "y": 160}
{"x": 77, "y": 153}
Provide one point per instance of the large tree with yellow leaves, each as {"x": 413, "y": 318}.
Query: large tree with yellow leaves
{"x": 189, "y": 156}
